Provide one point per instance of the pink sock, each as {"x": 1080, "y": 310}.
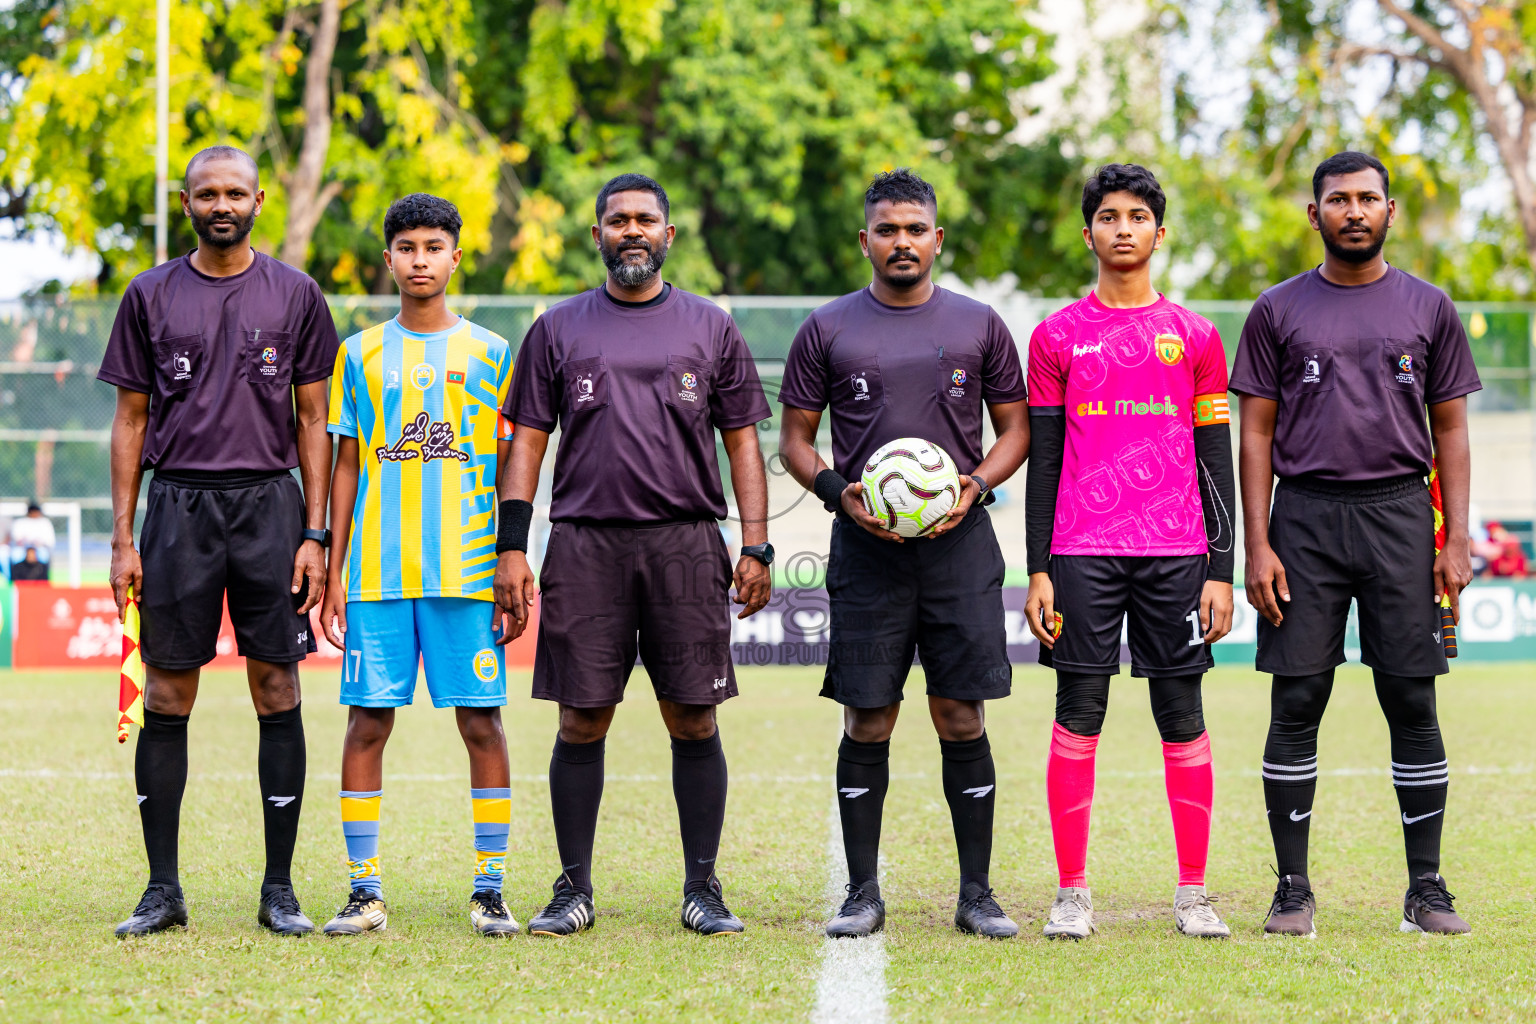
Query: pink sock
{"x": 1069, "y": 794}
{"x": 1187, "y": 772}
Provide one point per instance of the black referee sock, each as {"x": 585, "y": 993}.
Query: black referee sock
{"x": 575, "y": 793}
{"x": 281, "y": 762}
{"x": 970, "y": 786}
{"x": 1421, "y": 773}
{"x": 160, "y": 776}
{"x": 863, "y": 774}
{"x": 1289, "y": 768}
{"x": 699, "y": 785}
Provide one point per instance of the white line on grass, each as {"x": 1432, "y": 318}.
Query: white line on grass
{"x": 851, "y": 986}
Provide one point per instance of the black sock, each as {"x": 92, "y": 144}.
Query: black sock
{"x": 280, "y": 766}
{"x": 575, "y": 793}
{"x": 699, "y": 784}
{"x": 970, "y": 786}
{"x": 1289, "y": 768}
{"x": 1421, "y": 773}
{"x": 863, "y": 774}
{"x": 160, "y": 776}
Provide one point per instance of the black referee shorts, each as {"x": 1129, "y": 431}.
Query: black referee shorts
{"x": 1160, "y": 594}
{"x": 208, "y": 535}
{"x": 1371, "y": 542}
{"x": 942, "y": 599}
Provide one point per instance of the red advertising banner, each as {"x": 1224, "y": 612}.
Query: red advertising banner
{"x": 57, "y": 627}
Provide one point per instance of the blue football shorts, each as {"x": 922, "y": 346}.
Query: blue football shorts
{"x": 452, "y": 636}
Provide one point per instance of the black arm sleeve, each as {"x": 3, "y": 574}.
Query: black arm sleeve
{"x": 1218, "y": 497}
{"x": 1047, "y": 447}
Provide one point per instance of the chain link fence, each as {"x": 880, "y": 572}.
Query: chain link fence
{"x": 55, "y": 417}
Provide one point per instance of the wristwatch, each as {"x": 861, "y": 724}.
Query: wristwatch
{"x": 762, "y": 552}
{"x": 321, "y": 537}
{"x": 979, "y": 482}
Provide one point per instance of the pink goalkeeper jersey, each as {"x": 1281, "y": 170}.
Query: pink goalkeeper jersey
{"x": 1134, "y": 384}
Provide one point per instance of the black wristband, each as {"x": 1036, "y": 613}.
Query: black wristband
{"x": 829, "y": 488}
{"x": 512, "y": 525}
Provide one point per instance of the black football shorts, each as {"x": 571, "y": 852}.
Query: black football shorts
{"x": 1371, "y": 542}
{"x": 941, "y": 599}
{"x": 1159, "y": 593}
{"x": 210, "y": 535}
{"x": 608, "y": 593}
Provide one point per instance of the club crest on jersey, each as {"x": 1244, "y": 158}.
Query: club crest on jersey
{"x": 1169, "y": 348}
{"x": 269, "y": 355}
{"x": 689, "y": 381}
{"x": 485, "y": 664}
{"x": 958, "y": 376}
{"x": 1405, "y": 369}
{"x": 423, "y": 376}
{"x": 434, "y": 439}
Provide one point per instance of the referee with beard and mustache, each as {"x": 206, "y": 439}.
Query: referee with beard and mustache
{"x": 1339, "y": 369}
{"x": 211, "y": 355}
{"x": 639, "y": 375}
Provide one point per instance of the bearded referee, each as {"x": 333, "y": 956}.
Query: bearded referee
{"x": 220, "y": 360}
{"x": 906, "y": 358}
{"x": 639, "y": 375}
{"x": 1339, "y": 369}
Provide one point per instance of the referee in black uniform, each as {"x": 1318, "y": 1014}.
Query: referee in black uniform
{"x": 906, "y": 358}
{"x": 212, "y": 354}
{"x": 1338, "y": 369}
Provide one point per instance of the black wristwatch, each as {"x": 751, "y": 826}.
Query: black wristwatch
{"x": 979, "y": 482}
{"x": 762, "y": 552}
{"x": 321, "y": 537}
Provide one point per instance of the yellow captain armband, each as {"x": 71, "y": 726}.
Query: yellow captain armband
{"x": 1212, "y": 409}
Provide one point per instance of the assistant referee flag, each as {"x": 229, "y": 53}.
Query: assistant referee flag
{"x": 130, "y": 679}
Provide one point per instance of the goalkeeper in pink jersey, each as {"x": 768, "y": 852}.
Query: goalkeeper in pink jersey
{"x": 1130, "y": 499}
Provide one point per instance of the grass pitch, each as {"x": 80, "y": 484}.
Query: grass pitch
{"x": 72, "y": 864}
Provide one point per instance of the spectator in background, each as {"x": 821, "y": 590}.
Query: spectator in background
{"x": 32, "y": 540}
{"x": 1509, "y": 559}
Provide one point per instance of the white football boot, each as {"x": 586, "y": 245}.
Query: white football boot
{"x": 1071, "y": 915}
{"x": 1194, "y": 916}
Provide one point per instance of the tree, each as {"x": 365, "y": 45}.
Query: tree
{"x": 1489, "y": 51}
{"x": 764, "y": 119}
{"x": 384, "y": 112}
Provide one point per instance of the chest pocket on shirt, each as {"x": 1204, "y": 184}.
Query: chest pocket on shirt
{"x": 856, "y": 384}
{"x": 586, "y": 385}
{"x": 1403, "y": 362}
{"x": 1308, "y": 369}
{"x": 179, "y": 363}
{"x": 688, "y": 383}
{"x": 959, "y": 381}
{"x": 269, "y": 357}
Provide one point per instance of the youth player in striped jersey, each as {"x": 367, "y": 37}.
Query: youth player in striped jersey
{"x": 416, "y": 402}
{"x": 1129, "y": 503}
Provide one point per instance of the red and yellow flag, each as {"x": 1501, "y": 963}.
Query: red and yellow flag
{"x": 130, "y": 685}
{"x": 1447, "y": 617}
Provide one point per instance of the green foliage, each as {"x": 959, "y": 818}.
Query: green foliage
{"x": 1241, "y": 197}
{"x": 77, "y": 131}
{"x": 764, "y": 119}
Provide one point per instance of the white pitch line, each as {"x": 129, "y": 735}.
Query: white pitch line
{"x": 851, "y": 986}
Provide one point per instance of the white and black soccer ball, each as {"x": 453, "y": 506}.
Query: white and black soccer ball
{"x": 909, "y": 485}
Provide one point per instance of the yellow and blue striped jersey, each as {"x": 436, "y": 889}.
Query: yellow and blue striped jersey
{"x": 426, "y": 412}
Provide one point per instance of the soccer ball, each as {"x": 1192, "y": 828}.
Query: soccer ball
{"x": 909, "y": 485}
